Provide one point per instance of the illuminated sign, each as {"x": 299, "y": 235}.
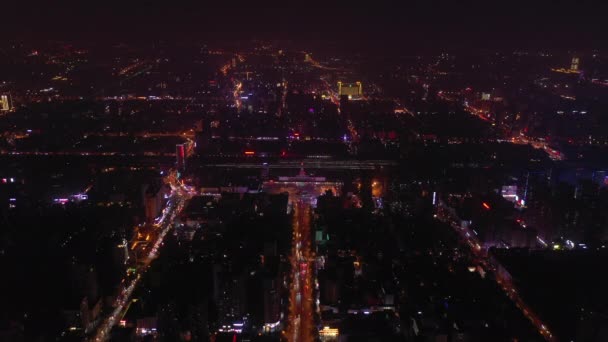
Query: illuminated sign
{"x": 328, "y": 332}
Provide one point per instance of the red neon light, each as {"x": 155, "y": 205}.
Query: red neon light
{"x": 486, "y": 205}
{"x": 249, "y": 153}
{"x": 180, "y": 151}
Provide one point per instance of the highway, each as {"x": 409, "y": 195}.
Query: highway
{"x": 175, "y": 204}
{"x": 519, "y": 139}
{"x": 300, "y": 320}
{"x": 320, "y": 66}
{"x": 540, "y": 145}
{"x": 91, "y": 153}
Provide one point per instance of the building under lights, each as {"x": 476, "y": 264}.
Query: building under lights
{"x": 302, "y": 186}
{"x": 574, "y": 64}
{"x": 351, "y": 90}
{"x": 574, "y": 67}
{"x": 329, "y": 334}
{"x": 5, "y": 103}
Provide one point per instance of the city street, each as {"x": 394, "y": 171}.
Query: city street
{"x": 300, "y": 319}
{"x": 174, "y": 205}
{"x": 468, "y": 237}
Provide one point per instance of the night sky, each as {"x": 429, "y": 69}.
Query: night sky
{"x": 560, "y": 24}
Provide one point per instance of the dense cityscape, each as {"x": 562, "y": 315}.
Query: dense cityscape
{"x": 290, "y": 190}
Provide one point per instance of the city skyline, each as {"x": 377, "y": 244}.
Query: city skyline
{"x": 401, "y": 171}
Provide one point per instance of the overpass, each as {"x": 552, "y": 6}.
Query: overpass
{"x": 305, "y": 163}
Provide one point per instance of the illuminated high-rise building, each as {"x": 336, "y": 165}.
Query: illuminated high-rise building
{"x": 180, "y": 153}
{"x": 574, "y": 64}
{"x": 350, "y": 89}
{"x": 5, "y": 102}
